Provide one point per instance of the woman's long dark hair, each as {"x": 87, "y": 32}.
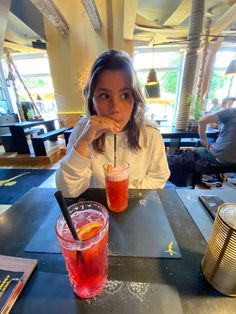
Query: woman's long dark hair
{"x": 117, "y": 60}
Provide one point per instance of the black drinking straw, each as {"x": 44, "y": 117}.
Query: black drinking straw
{"x": 62, "y": 204}
{"x": 114, "y": 150}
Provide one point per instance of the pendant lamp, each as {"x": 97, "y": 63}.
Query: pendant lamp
{"x": 152, "y": 87}
{"x": 231, "y": 69}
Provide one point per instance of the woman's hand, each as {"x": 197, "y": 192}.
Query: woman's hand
{"x": 95, "y": 127}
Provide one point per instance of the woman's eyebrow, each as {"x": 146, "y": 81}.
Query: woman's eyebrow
{"x": 125, "y": 89}
{"x": 103, "y": 89}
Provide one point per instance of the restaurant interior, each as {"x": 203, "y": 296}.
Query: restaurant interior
{"x": 184, "y": 54}
{"x": 47, "y": 49}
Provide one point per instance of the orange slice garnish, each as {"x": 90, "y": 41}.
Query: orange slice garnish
{"x": 109, "y": 168}
{"x": 89, "y": 230}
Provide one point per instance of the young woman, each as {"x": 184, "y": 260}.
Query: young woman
{"x": 114, "y": 105}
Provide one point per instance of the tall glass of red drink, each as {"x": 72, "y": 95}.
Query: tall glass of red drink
{"x": 86, "y": 259}
{"x": 117, "y": 182}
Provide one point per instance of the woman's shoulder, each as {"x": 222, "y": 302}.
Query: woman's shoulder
{"x": 80, "y": 124}
{"x": 150, "y": 134}
{"x": 78, "y": 128}
{"x": 151, "y": 128}
{"x": 82, "y": 121}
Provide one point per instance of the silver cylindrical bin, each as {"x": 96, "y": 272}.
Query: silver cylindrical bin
{"x": 219, "y": 261}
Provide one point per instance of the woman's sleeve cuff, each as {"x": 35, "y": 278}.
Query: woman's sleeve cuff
{"x": 74, "y": 158}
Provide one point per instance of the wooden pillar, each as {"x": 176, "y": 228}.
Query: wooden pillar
{"x": 210, "y": 64}
{"x": 118, "y": 23}
{"x": 4, "y": 11}
{"x": 202, "y": 69}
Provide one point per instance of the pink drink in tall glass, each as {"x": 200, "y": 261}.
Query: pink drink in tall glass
{"x": 117, "y": 182}
{"x": 86, "y": 260}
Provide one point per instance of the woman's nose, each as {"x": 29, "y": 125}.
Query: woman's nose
{"x": 115, "y": 105}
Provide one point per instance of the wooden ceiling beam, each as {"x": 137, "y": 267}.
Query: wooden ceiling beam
{"x": 141, "y": 38}
{"x": 130, "y": 10}
{"x": 49, "y": 10}
{"x": 4, "y": 11}
{"x": 142, "y": 21}
{"x": 20, "y": 48}
{"x": 166, "y": 31}
{"x": 180, "y": 14}
{"x": 157, "y": 39}
{"x": 224, "y": 21}
{"x": 92, "y": 11}
{"x": 230, "y": 2}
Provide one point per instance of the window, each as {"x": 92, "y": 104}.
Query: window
{"x": 3, "y": 100}
{"x": 221, "y": 85}
{"x": 35, "y": 71}
{"x": 5, "y": 105}
{"x": 168, "y": 66}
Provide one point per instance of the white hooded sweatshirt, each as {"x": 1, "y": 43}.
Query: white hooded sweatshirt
{"x": 148, "y": 167}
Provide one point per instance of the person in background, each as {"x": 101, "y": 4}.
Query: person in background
{"x": 223, "y": 150}
{"x": 214, "y": 106}
{"x": 198, "y": 160}
{"x": 227, "y": 102}
{"x": 114, "y": 105}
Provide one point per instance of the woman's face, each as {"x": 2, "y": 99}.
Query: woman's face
{"x": 113, "y": 96}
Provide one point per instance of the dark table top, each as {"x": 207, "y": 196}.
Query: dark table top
{"x": 28, "y": 124}
{"x": 48, "y": 290}
{"x": 171, "y": 132}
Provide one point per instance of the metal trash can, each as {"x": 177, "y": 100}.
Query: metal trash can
{"x": 219, "y": 261}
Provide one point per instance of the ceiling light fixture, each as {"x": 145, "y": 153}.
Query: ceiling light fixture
{"x": 152, "y": 87}
{"x": 231, "y": 69}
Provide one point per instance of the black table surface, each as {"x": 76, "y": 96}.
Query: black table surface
{"x": 171, "y": 132}
{"x": 19, "y": 223}
{"x": 28, "y": 124}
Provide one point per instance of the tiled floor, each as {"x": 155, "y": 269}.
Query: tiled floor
{"x": 226, "y": 186}
{"x": 3, "y": 208}
{"x": 49, "y": 183}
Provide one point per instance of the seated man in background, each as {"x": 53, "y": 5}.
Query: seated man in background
{"x": 227, "y": 102}
{"x": 223, "y": 150}
{"x": 199, "y": 160}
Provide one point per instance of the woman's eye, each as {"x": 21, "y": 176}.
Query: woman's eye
{"x": 126, "y": 96}
{"x": 104, "y": 96}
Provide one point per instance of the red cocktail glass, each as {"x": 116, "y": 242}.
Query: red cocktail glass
{"x": 86, "y": 259}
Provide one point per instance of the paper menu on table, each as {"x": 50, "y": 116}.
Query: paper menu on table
{"x": 14, "y": 273}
